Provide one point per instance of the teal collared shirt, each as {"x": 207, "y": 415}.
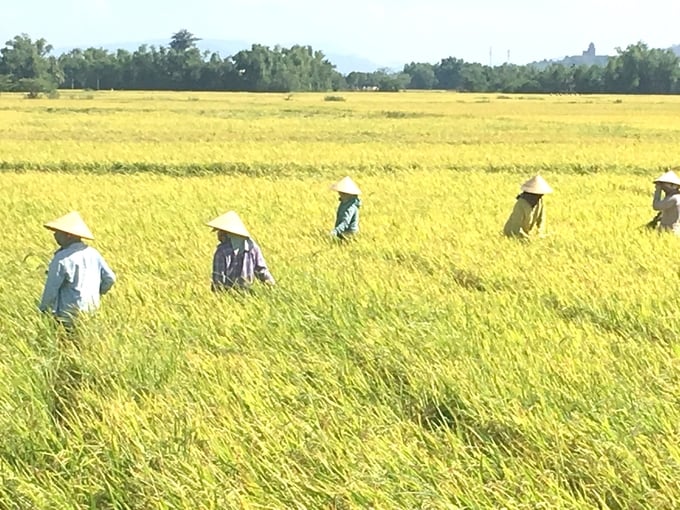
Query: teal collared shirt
{"x": 347, "y": 218}
{"x": 77, "y": 276}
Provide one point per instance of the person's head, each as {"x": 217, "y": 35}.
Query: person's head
{"x": 69, "y": 229}
{"x": 346, "y": 188}
{"x": 229, "y": 225}
{"x": 668, "y": 182}
{"x": 345, "y": 196}
{"x": 65, "y": 239}
{"x": 536, "y": 187}
{"x": 668, "y": 188}
{"x": 223, "y": 236}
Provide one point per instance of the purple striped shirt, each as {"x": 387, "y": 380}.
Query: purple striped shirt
{"x": 238, "y": 268}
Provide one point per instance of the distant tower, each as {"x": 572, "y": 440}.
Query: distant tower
{"x": 490, "y": 56}
{"x": 507, "y": 61}
{"x": 590, "y": 52}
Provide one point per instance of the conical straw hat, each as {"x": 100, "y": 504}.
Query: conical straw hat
{"x": 536, "y": 185}
{"x": 669, "y": 178}
{"x": 231, "y": 223}
{"x": 346, "y": 185}
{"x": 70, "y": 223}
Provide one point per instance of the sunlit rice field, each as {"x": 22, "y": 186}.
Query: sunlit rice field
{"x": 430, "y": 364}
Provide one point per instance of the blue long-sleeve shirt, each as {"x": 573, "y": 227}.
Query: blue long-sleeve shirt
{"x": 76, "y": 278}
{"x": 347, "y": 218}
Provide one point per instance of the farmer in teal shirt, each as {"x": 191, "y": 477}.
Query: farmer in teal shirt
{"x": 347, "y": 217}
{"x": 77, "y": 275}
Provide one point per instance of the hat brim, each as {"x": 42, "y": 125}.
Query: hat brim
{"x": 664, "y": 181}
{"x": 347, "y": 186}
{"x": 230, "y": 223}
{"x": 81, "y": 235}
{"x": 537, "y": 190}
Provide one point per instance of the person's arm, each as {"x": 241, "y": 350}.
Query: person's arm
{"x": 261, "y": 270}
{"x": 540, "y": 221}
{"x": 516, "y": 221}
{"x": 219, "y": 272}
{"x": 108, "y": 277}
{"x": 659, "y": 204}
{"x": 55, "y": 278}
{"x": 345, "y": 220}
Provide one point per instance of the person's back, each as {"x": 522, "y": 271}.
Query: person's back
{"x": 669, "y": 205}
{"x": 528, "y": 214}
{"x": 347, "y": 216}
{"x": 83, "y": 276}
{"x": 670, "y": 216}
{"x": 524, "y": 218}
{"x": 77, "y": 275}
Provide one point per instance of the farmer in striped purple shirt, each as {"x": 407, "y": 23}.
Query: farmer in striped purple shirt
{"x": 238, "y": 259}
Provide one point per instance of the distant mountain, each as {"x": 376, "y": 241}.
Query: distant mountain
{"x": 676, "y": 49}
{"x": 345, "y": 64}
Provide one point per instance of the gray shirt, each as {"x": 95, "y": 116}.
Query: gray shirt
{"x": 669, "y": 206}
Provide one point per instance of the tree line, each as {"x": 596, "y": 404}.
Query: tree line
{"x": 28, "y": 66}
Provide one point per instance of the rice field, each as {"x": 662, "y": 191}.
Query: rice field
{"x": 431, "y": 364}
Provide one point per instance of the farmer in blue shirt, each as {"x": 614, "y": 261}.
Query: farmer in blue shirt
{"x": 77, "y": 275}
{"x": 347, "y": 217}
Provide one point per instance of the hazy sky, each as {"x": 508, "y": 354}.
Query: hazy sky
{"x": 386, "y": 31}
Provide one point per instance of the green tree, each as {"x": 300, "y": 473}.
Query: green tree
{"x": 556, "y": 78}
{"x": 74, "y": 67}
{"x": 357, "y": 80}
{"x": 513, "y": 78}
{"x": 588, "y": 79}
{"x": 641, "y": 70}
{"x": 218, "y": 74}
{"x": 254, "y": 68}
{"x": 146, "y": 69}
{"x": 29, "y": 65}
{"x": 391, "y": 82}
{"x": 183, "y": 40}
{"x": 99, "y": 69}
{"x": 183, "y": 68}
{"x": 324, "y": 74}
{"x": 474, "y": 78}
{"x": 33, "y": 86}
{"x": 421, "y": 76}
{"x": 6, "y": 83}
{"x": 449, "y": 73}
